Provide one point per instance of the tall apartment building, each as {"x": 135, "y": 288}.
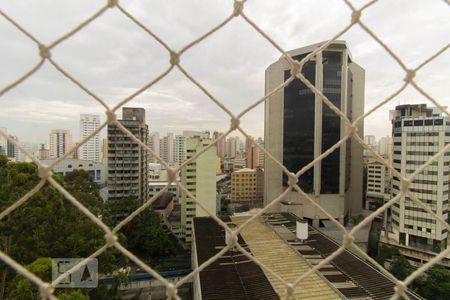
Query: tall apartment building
{"x": 299, "y": 127}
{"x": 180, "y": 149}
{"x": 378, "y": 184}
{"x": 385, "y": 147}
{"x": 3, "y": 142}
{"x": 199, "y": 177}
{"x": 11, "y": 150}
{"x": 166, "y": 148}
{"x": 232, "y": 145}
{"x": 154, "y": 144}
{"x": 60, "y": 142}
{"x": 418, "y": 134}
{"x": 91, "y": 149}
{"x": 253, "y": 155}
{"x": 127, "y": 160}
{"x": 220, "y": 145}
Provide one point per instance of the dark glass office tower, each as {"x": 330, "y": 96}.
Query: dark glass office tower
{"x": 299, "y": 127}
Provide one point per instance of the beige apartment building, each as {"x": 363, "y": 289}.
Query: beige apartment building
{"x": 199, "y": 177}
{"x": 60, "y": 142}
{"x": 246, "y": 186}
{"x": 299, "y": 128}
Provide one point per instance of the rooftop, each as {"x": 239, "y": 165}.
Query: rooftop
{"x": 271, "y": 239}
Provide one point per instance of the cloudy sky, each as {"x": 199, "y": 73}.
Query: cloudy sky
{"x": 114, "y": 58}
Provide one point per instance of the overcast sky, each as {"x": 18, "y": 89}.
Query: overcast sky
{"x": 113, "y": 58}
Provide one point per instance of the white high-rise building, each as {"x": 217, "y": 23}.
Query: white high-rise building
{"x": 299, "y": 127}
{"x": 180, "y": 149}
{"x": 199, "y": 177}
{"x": 385, "y": 146}
{"x": 166, "y": 148}
{"x": 418, "y": 134}
{"x": 3, "y": 142}
{"x": 60, "y": 142}
{"x": 231, "y": 147}
{"x": 91, "y": 149}
{"x": 154, "y": 144}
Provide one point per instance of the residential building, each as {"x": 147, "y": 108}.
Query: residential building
{"x": 154, "y": 144}
{"x": 96, "y": 170}
{"x": 12, "y": 150}
{"x": 378, "y": 184}
{"x": 166, "y": 148}
{"x": 238, "y": 163}
{"x": 91, "y": 149}
{"x": 418, "y": 134}
{"x": 32, "y": 148}
{"x": 127, "y": 160}
{"x": 43, "y": 153}
{"x": 385, "y": 147}
{"x": 220, "y": 145}
{"x": 232, "y": 145}
{"x": 104, "y": 150}
{"x": 180, "y": 149}
{"x": 3, "y": 142}
{"x": 199, "y": 177}
{"x": 192, "y": 133}
{"x": 274, "y": 242}
{"x": 60, "y": 142}
{"x": 370, "y": 139}
{"x": 243, "y": 186}
{"x": 252, "y": 155}
{"x": 299, "y": 127}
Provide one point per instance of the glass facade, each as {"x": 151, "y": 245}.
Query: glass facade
{"x": 298, "y": 125}
{"x": 331, "y": 122}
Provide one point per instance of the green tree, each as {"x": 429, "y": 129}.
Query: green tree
{"x": 48, "y": 225}
{"x": 20, "y": 288}
{"x": 436, "y": 284}
{"x": 400, "y": 267}
{"x": 144, "y": 233}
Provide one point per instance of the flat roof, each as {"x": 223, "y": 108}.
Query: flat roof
{"x": 232, "y": 276}
{"x": 354, "y": 277}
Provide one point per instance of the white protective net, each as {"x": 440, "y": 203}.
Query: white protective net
{"x": 174, "y": 61}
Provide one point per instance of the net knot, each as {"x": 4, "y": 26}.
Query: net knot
{"x": 356, "y": 15}
{"x": 44, "y": 52}
{"x": 46, "y": 290}
{"x": 410, "y": 74}
{"x": 350, "y": 129}
{"x": 348, "y": 239}
{"x": 112, "y": 3}
{"x": 289, "y": 289}
{"x": 234, "y": 123}
{"x": 44, "y": 172}
{"x": 174, "y": 58}
{"x": 171, "y": 291}
{"x": 400, "y": 288}
{"x": 232, "y": 239}
{"x": 405, "y": 185}
{"x": 295, "y": 70}
{"x": 292, "y": 180}
{"x": 111, "y": 117}
{"x": 111, "y": 239}
{"x": 238, "y": 7}
{"x": 171, "y": 175}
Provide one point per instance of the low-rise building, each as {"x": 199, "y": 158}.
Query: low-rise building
{"x": 273, "y": 241}
{"x": 97, "y": 170}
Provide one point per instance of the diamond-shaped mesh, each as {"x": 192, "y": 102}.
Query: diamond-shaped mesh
{"x": 175, "y": 61}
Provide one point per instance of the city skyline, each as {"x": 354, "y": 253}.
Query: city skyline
{"x": 47, "y": 100}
